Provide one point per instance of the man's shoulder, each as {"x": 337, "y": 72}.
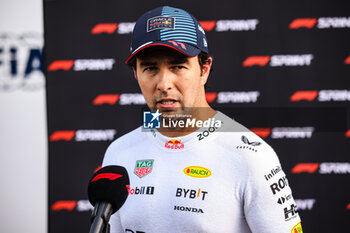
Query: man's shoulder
{"x": 243, "y": 141}
{"x": 124, "y": 145}
{"x": 131, "y": 138}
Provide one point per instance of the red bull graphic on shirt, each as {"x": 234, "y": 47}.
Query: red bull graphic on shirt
{"x": 174, "y": 144}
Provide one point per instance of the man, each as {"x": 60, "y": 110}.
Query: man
{"x": 183, "y": 177}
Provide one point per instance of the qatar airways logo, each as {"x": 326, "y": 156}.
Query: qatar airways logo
{"x": 320, "y": 23}
{"x": 321, "y": 95}
{"x": 82, "y": 65}
{"x": 279, "y": 60}
{"x": 83, "y": 135}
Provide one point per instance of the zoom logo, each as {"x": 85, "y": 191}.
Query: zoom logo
{"x": 206, "y": 133}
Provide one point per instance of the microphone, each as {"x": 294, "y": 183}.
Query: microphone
{"x": 107, "y": 192}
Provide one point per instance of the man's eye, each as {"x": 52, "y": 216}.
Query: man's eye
{"x": 179, "y": 67}
{"x": 151, "y": 68}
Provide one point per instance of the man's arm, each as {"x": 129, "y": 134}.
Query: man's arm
{"x": 269, "y": 206}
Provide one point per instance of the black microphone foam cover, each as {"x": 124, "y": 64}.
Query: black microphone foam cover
{"x": 109, "y": 184}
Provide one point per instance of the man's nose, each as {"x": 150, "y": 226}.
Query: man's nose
{"x": 165, "y": 80}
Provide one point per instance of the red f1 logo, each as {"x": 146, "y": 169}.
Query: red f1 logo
{"x": 110, "y": 176}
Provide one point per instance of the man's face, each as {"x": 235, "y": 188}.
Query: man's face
{"x": 171, "y": 81}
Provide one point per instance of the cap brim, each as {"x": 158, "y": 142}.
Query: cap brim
{"x": 184, "y": 48}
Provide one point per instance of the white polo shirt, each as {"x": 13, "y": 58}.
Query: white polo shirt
{"x": 212, "y": 180}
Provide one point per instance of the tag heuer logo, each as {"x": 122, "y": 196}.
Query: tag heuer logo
{"x": 143, "y": 167}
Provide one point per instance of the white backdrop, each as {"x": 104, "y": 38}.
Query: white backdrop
{"x": 23, "y": 145}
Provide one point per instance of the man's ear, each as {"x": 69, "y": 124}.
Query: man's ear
{"x": 134, "y": 70}
{"x": 206, "y": 70}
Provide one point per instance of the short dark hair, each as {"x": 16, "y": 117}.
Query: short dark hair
{"x": 202, "y": 59}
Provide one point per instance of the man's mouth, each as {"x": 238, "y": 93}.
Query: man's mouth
{"x": 167, "y": 103}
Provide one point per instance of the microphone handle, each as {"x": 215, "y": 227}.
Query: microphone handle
{"x": 100, "y": 217}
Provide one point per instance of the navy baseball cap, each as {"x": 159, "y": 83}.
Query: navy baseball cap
{"x": 171, "y": 27}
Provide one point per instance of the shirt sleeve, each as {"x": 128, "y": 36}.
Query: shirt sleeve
{"x": 269, "y": 206}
